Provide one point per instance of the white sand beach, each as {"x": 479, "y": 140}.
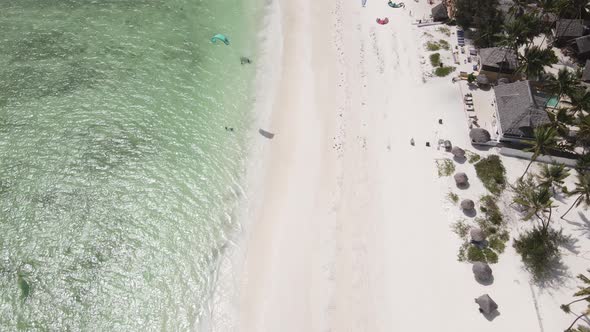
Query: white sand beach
{"x": 347, "y": 226}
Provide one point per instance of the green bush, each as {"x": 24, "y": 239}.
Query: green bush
{"x": 486, "y": 255}
{"x": 472, "y": 157}
{"x": 443, "y": 71}
{"x": 444, "y": 44}
{"x": 432, "y": 46}
{"x": 492, "y": 173}
{"x": 461, "y": 228}
{"x": 446, "y": 167}
{"x": 453, "y": 198}
{"x": 496, "y": 243}
{"x": 539, "y": 250}
{"x": 491, "y": 210}
{"x": 435, "y": 59}
{"x": 444, "y": 30}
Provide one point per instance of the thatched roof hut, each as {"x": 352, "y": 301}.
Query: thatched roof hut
{"x": 461, "y": 179}
{"x": 467, "y": 204}
{"x": 479, "y": 135}
{"x": 477, "y": 235}
{"x": 486, "y": 304}
{"x": 458, "y": 152}
{"x": 482, "y": 272}
{"x": 448, "y": 145}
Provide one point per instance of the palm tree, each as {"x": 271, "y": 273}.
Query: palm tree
{"x": 582, "y": 190}
{"x": 545, "y": 139}
{"x": 564, "y": 84}
{"x": 560, "y": 121}
{"x": 534, "y": 202}
{"x": 583, "y": 134}
{"x": 522, "y": 30}
{"x": 580, "y": 99}
{"x": 584, "y": 292}
{"x": 552, "y": 175}
{"x": 534, "y": 60}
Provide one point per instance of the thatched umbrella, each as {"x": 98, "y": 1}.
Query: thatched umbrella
{"x": 482, "y": 272}
{"x": 486, "y": 304}
{"x": 461, "y": 179}
{"x": 482, "y": 80}
{"x": 448, "y": 145}
{"x": 477, "y": 235}
{"x": 467, "y": 204}
{"x": 458, "y": 152}
{"x": 479, "y": 135}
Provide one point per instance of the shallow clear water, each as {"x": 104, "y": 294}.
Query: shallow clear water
{"x": 117, "y": 178}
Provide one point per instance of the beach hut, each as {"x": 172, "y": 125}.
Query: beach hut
{"x": 479, "y": 135}
{"x": 486, "y": 304}
{"x": 448, "y": 145}
{"x": 461, "y": 180}
{"x": 467, "y": 205}
{"x": 458, "y": 152}
{"x": 482, "y": 272}
{"x": 477, "y": 235}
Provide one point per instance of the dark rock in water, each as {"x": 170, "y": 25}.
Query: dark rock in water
{"x": 244, "y": 60}
{"x": 266, "y": 134}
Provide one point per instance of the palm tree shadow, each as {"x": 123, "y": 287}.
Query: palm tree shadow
{"x": 571, "y": 244}
{"x": 583, "y": 226}
{"x": 555, "y": 277}
{"x": 559, "y": 196}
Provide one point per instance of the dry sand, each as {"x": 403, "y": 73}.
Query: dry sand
{"x": 347, "y": 227}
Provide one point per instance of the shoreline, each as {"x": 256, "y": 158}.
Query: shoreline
{"x": 345, "y": 225}
{"x": 222, "y": 310}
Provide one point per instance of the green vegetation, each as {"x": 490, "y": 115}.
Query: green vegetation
{"x": 432, "y": 46}
{"x": 443, "y": 71}
{"x": 539, "y": 251}
{"x": 552, "y": 176}
{"x": 444, "y": 30}
{"x": 435, "y": 59}
{"x": 461, "y": 228}
{"x": 492, "y": 224}
{"x": 445, "y": 166}
{"x": 538, "y": 247}
{"x": 492, "y": 173}
{"x": 437, "y": 45}
{"x": 583, "y": 294}
{"x": 453, "y": 198}
{"x": 486, "y": 255}
{"x": 472, "y": 157}
{"x": 582, "y": 190}
{"x": 514, "y": 30}
{"x": 484, "y": 16}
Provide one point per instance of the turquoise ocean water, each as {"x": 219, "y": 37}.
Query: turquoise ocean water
{"x": 118, "y": 181}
